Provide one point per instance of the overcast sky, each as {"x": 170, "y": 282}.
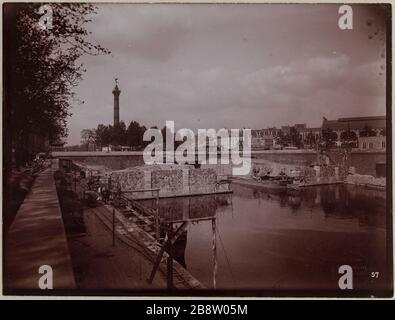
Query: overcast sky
{"x": 234, "y": 66}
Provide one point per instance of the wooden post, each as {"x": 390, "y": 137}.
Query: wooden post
{"x": 169, "y": 238}
{"x": 156, "y": 264}
{"x": 215, "y": 264}
{"x": 170, "y": 259}
{"x": 113, "y": 227}
{"x": 157, "y": 224}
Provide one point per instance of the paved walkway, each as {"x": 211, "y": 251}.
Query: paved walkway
{"x": 37, "y": 237}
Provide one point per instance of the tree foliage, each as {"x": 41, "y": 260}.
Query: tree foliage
{"x": 118, "y": 134}
{"x": 310, "y": 139}
{"x": 42, "y": 67}
{"x": 329, "y": 138}
{"x": 135, "y": 134}
{"x": 348, "y": 135}
{"x": 291, "y": 138}
{"x": 349, "y": 139}
{"x": 295, "y": 137}
{"x": 88, "y": 136}
{"x": 367, "y": 131}
{"x": 105, "y": 135}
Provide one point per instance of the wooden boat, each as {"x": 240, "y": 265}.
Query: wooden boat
{"x": 274, "y": 186}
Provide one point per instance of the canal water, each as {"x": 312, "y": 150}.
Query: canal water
{"x": 269, "y": 242}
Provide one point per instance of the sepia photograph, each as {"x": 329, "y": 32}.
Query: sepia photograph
{"x": 197, "y": 149}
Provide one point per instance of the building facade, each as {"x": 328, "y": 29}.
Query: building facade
{"x": 357, "y": 125}
{"x": 310, "y": 136}
{"x": 363, "y": 132}
{"x": 377, "y": 143}
{"x": 264, "y": 138}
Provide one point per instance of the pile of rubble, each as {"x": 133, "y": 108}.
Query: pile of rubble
{"x": 366, "y": 181}
{"x": 273, "y": 169}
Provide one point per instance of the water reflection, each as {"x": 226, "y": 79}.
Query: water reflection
{"x": 279, "y": 241}
{"x": 340, "y": 201}
{"x": 196, "y": 209}
{"x": 179, "y": 249}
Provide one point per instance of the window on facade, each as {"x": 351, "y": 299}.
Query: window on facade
{"x": 364, "y": 145}
{"x": 370, "y": 145}
{"x": 383, "y": 144}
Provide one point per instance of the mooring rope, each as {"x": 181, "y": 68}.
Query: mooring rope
{"x": 226, "y": 257}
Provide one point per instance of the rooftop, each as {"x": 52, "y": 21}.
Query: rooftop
{"x": 355, "y": 123}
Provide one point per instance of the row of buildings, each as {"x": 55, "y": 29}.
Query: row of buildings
{"x": 364, "y": 133}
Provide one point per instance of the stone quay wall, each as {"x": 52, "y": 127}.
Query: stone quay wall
{"x": 128, "y": 179}
{"x": 120, "y": 161}
{"x": 364, "y": 162}
{"x": 199, "y": 178}
{"x": 170, "y": 180}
